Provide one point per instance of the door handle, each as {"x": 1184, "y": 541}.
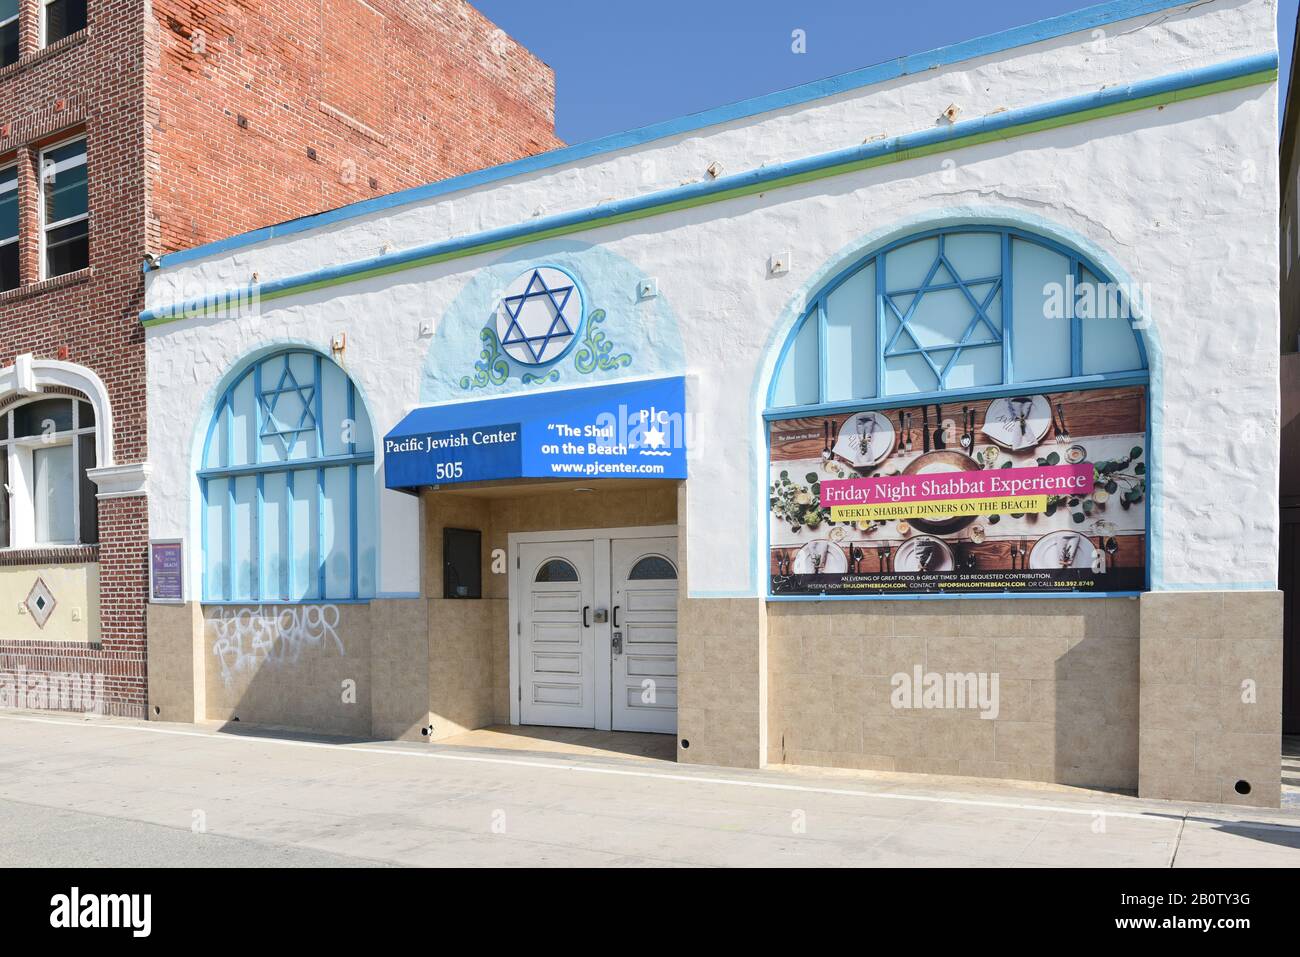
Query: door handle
{"x": 586, "y": 611}
{"x": 616, "y": 608}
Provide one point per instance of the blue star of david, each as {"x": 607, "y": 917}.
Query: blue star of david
{"x": 287, "y": 431}
{"x": 559, "y": 327}
{"x": 937, "y": 281}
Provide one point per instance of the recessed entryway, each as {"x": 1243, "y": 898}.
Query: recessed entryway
{"x": 593, "y": 629}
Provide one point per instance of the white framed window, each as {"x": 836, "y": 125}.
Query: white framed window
{"x": 8, "y": 32}
{"x": 8, "y": 227}
{"x": 64, "y": 208}
{"x": 47, "y": 448}
{"x": 61, "y": 18}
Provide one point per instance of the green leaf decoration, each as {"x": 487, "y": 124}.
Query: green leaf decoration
{"x": 492, "y": 368}
{"x": 597, "y": 350}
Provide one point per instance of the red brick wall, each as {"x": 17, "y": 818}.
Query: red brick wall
{"x": 387, "y": 93}
{"x": 92, "y": 81}
{"x": 171, "y": 166}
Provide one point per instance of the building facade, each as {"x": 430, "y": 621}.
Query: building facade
{"x": 128, "y": 130}
{"x": 887, "y": 423}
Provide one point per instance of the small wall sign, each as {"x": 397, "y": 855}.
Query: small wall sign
{"x": 166, "y": 570}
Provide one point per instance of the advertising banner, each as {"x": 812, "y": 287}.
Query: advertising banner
{"x": 623, "y": 430}
{"x": 1029, "y": 493}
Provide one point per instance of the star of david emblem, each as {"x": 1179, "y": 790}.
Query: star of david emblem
{"x": 539, "y": 316}
{"x": 940, "y": 336}
{"x": 287, "y": 409}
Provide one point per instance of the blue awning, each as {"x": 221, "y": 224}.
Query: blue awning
{"x": 623, "y": 430}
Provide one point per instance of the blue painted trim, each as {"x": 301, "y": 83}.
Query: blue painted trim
{"x": 1008, "y": 313}
{"x": 1048, "y": 29}
{"x": 824, "y": 163}
{"x": 288, "y": 465}
{"x": 956, "y": 596}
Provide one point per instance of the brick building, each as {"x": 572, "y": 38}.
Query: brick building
{"x": 129, "y": 130}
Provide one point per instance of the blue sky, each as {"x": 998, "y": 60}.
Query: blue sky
{"x": 620, "y": 65}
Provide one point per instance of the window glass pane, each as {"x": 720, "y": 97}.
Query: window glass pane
{"x": 907, "y": 374}
{"x": 907, "y": 266}
{"x": 974, "y": 255}
{"x": 338, "y": 533}
{"x": 87, "y": 504}
{"x": 851, "y": 337}
{"x": 9, "y": 278}
{"x": 652, "y": 568}
{"x": 216, "y": 571}
{"x": 275, "y": 536}
{"x": 797, "y": 379}
{"x": 53, "y": 481}
{"x": 43, "y": 418}
{"x": 243, "y": 558}
{"x": 242, "y": 423}
{"x": 85, "y": 415}
{"x": 4, "y": 498}
{"x": 63, "y": 18}
{"x": 8, "y": 203}
{"x": 64, "y": 181}
{"x": 67, "y": 248}
{"x": 362, "y": 436}
{"x": 1106, "y": 315}
{"x": 365, "y": 531}
{"x": 9, "y": 32}
{"x": 334, "y": 409}
{"x": 306, "y": 532}
{"x": 1040, "y": 309}
{"x": 556, "y": 570}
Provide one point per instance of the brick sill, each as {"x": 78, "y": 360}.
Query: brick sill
{"x": 49, "y": 555}
{"x": 28, "y": 60}
{"x": 48, "y": 285}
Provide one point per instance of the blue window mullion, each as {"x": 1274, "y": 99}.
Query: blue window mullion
{"x": 880, "y": 326}
{"x": 320, "y": 532}
{"x": 289, "y": 512}
{"x": 822, "y": 371}
{"x": 352, "y": 525}
{"x": 203, "y": 538}
{"x": 231, "y": 557}
{"x": 1076, "y": 326}
{"x": 1008, "y": 325}
{"x": 255, "y": 548}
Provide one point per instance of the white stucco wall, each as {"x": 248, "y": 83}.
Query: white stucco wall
{"x": 1181, "y": 199}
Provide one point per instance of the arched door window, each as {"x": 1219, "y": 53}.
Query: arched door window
{"x": 961, "y": 350}
{"x": 288, "y": 486}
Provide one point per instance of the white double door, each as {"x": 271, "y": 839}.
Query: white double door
{"x": 595, "y": 631}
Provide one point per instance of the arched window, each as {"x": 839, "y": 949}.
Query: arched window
{"x": 967, "y": 308}
{"x": 921, "y": 369}
{"x": 47, "y": 449}
{"x": 288, "y": 486}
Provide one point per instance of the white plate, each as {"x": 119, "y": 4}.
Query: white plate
{"x": 908, "y": 557}
{"x": 1002, "y": 421}
{"x": 876, "y": 428}
{"x": 1046, "y": 553}
{"x": 834, "y": 561}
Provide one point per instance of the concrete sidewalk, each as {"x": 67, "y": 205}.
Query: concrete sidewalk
{"x": 80, "y": 792}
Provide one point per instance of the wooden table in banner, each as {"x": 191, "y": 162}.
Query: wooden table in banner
{"x": 1093, "y": 541}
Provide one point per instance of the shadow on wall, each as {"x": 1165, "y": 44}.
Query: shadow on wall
{"x": 300, "y": 667}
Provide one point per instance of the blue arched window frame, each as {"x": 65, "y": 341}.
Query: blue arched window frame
{"x": 1080, "y": 268}
{"x": 817, "y": 312}
{"x": 327, "y": 483}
